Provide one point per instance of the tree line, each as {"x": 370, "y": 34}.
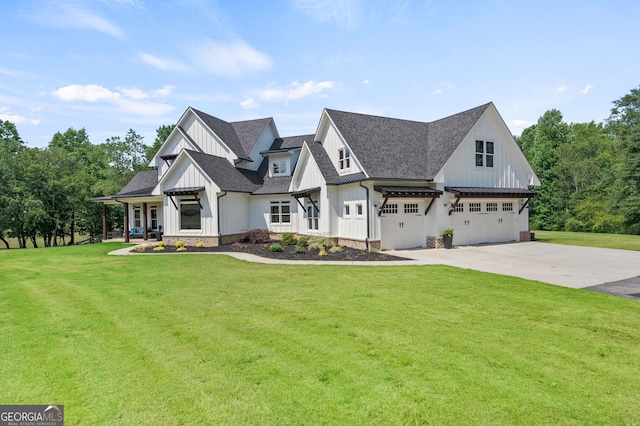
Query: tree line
{"x": 45, "y": 192}
{"x": 590, "y": 172}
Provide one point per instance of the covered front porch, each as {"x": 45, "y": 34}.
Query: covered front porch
{"x": 142, "y": 217}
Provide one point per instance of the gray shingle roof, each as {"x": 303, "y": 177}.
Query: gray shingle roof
{"x": 390, "y": 148}
{"x": 222, "y": 172}
{"x": 325, "y": 165}
{"x": 240, "y": 136}
{"x": 274, "y": 185}
{"x": 141, "y": 184}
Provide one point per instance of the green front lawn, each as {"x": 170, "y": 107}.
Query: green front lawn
{"x": 615, "y": 241}
{"x": 206, "y": 339}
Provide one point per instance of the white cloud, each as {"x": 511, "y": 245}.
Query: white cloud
{"x": 249, "y": 103}
{"x": 88, "y": 92}
{"x": 165, "y": 91}
{"x": 365, "y": 82}
{"x": 134, "y": 93}
{"x": 438, "y": 92}
{"x": 68, "y": 15}
{"x": 296, "y": 91}
{"x": 586, "y": 89}
{"x": 561, "y": 89}
{"x": 133, "y": 101}
{"x": 344, "y": 12}
{"x": 163, "y": 64}
{"x": 15, "y": 119}
{"x": 517, "y": 126}
{"x": 229, "y": 60}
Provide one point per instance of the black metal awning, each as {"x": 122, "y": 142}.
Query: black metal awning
{"x": 306, "y": 193}
{"x": 407, "y": 192}
{"x": 476, "y": 192}
{"x": 183, "y": 192}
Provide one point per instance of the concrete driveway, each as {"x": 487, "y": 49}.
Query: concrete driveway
{"x": 568, "y": 266}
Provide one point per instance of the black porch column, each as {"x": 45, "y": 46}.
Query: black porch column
{"x": 104, "y": 222}
{"x": 144, "y": 221}
{"x": 126, "y": 222}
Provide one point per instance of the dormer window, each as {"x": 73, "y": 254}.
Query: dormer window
{"x": 279, "y": 167}
{"x": 344, "y": 159}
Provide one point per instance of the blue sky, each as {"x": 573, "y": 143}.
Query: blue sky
{"x": 112, "y": 65}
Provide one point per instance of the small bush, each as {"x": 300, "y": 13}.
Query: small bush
{"x": 299, "y": 250}
{"x": 200, "y": 245}
{"x": 139, "y": 249}
{"x": 179, "y": 244}
{"x": 336, "y": 249}
{"x": 255, "y": 236}
{"x": 159, "y": 248}
{"x": 275, "y": 247}
{"x": 320, "y": 243}
{"x": 181, "y": 248}
{"x": 303, "y": 241}
{"x": 161, "y": 244}
{"x": 323, "y": 252}
{"x": 289, "y": 238}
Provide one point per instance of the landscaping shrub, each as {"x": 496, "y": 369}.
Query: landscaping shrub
{"x": 200, "y": 245}
{"x": 275, "y": 247}
{"x": 181, "y": 248}
{"x": 289, "y": 238}
{"x": 161, "y": 244}
{"x": 299, "y": 250}
{"x": 336, "y": 249}
{"x": 255, "y": 236}
{"x": 159, "y": 248}
{"x": 320, "y": 243}
{"x": 179, "y": 244}
{"x": 303, "y": 241}
{"x": 323, "y": 252}
{"x": 139, "y": 249}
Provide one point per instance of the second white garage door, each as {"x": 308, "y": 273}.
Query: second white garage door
{"x": 485, "y": 221}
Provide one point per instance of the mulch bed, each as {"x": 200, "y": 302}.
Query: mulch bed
{"x": 262, "y": 250}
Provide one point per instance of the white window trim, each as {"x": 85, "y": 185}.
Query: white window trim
{"x": 484, "y": 155}
{"x": 359, "y": 210}
{"x": 280, "y": 213}
{"x": 344, "y": 159}
{"x": 181, "y": 203}
{"x": 278, "y": 164}
{"x": 346, "y": 209}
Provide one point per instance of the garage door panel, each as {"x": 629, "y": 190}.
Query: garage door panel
{"x": 484, "y": 221}
{"x": 402, "y": 225}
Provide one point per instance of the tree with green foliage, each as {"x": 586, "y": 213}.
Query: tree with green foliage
{"x": 12, "y": 161}
{"x": 624, "y": 123}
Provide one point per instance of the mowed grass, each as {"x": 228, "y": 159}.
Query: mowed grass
{"x": 590, "y": 239}
{"x": 207, "y": 339}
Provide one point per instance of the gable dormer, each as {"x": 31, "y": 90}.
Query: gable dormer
{"x": 336, "y": 145}
{"x": 283, "y": 154}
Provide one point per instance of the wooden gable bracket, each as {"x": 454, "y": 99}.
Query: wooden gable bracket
{"x": 300, "y": 203}
{"x": 384, "y": 203}
{"x": 314, "y": 203}
{"x": 182, "y": 192}
{"x": 433, "y": 199}
{"x": 306, "y": 194}
{"x": 454, "y": 205}
{"x": 173, "y": 201}
{"x": 526, "y": 203}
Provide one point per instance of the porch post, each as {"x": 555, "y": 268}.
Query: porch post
{"x": 104, "y": 222}
{"x": 144, "y": 221}
{"x": 126, "y": 222}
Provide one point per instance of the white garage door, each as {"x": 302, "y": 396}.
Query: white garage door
{"x": 485, "y": 221}
{"x": 402, "y": 225}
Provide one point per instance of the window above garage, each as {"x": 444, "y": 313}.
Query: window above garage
{"x": 484, "y": 153}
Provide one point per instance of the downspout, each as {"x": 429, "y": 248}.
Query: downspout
{"x": 366, "y": 242}
{"x": 218, "y": 214}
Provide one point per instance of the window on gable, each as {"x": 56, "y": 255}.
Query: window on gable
{"x": 484, "y": 154}
{"x": 190, "y": 215}
{"x": 344, "y": 159}
{"x": 279, "y": 167}
{"x": 280, "y": 212}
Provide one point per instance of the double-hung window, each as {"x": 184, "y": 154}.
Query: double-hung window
{"x": 280, "y": 212}
{"x": 344, "y": 159}
{"x": 312, "y": 217}
{"x": 154, "y": 217}
{"x": 484, "y": 154}
{"x": 279, "y": 167}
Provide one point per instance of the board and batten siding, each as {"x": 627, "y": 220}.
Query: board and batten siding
{"x": 207, "y": 141}
{"x": 172, "y": 146}
{"x": 184, "y": 174}
{"x": 510, "y": 169}
{"x": 260, "y": 213}
{"x": 308, "y": 176}
{"x": 332, "y": 143}
{"x": 234, "y": 212}
{"x": 354, "y": 225}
